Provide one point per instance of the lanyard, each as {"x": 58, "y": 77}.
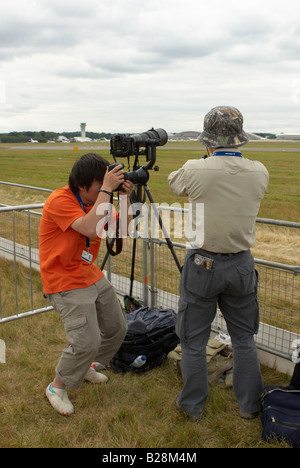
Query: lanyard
{"x": 228, "y": 153}
{"x": 109, "y": 247}
{"x": 87, "y": 239}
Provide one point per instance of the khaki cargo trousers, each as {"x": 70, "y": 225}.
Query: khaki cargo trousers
{"x": 95, "y": 327}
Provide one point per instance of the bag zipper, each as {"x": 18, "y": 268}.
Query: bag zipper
{"x": 284, "y": 390}
{"x": 274, "y": 420}
{"x": 283, "y": 423}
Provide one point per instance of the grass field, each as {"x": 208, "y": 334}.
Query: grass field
{"x": 129, "y": 411}
{"x": 49, "y": 168}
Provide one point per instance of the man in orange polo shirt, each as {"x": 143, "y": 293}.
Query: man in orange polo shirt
{"x": 87, "y": 303}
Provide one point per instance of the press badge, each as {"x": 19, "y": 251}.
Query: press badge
{"x": 86, "y": 256}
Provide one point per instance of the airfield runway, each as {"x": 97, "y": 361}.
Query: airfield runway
{"x": 68, "y": 147}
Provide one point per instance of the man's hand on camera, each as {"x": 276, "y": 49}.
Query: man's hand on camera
{"x": 127, "y": 188}
{"x": 113, "y": 179}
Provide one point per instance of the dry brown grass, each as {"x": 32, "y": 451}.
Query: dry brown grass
{"x": 11, "y": 195}
{"x": 277, "y": 244}
{"x": 130, "y": 411}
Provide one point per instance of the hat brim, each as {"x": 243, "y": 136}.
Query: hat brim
{"x": 213, "y": 141}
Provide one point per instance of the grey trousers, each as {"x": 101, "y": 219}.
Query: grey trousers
{"x": 232, "y": 284}
{"x": 95, "y": 327}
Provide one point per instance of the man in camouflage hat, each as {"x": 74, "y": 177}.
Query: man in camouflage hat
{"x": 223, "y": 128}
{"x": 219, "y": 268}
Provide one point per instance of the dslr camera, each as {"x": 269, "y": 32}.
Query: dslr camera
{"x": 124, "y": 145}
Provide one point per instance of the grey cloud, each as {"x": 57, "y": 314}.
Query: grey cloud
{"x": 43, "y": 30}
{"x": 289, "y": 44}
{"x": 70, "y": 9}
{"x": 170, "y": 59}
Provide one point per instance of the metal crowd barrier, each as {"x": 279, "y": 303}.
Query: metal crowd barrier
{"x": 154, "y": 282}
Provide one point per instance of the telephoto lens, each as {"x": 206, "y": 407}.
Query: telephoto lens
{"x": 122, "y": 145}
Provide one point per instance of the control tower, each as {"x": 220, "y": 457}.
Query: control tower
{"x": 82, "y": 128}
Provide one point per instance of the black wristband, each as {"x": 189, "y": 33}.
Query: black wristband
{"x": 105, "y": 191}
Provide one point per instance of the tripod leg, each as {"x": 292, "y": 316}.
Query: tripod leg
{"x": 132, "y": 266}
{"x": 104, "y": 261}
{"x": 169, "y": 243}
{"x": 138, "y": 199}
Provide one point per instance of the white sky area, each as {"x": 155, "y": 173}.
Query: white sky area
{"x": 129, "y": 65}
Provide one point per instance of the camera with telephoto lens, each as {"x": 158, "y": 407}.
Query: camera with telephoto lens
{"x": 124, "y": 145}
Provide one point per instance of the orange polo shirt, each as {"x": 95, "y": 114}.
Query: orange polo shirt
{"x": 61, "y": 247}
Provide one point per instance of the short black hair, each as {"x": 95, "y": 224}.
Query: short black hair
{"x": 90, "y": 167}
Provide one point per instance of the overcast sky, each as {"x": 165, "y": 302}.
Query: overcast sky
{"x": 128, "y": 65}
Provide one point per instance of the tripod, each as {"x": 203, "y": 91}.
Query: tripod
{"x": 151, "y": 149}
{"x": 158, "y": 217}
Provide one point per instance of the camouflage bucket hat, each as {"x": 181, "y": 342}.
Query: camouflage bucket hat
{"x": 223, "y": 128}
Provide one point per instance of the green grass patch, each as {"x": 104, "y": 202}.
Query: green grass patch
{"x": 50, "y": 169}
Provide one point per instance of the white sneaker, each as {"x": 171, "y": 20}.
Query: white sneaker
{"x": 59, "y": 399}
{"x": 95, "y": 377}
{"x": 98, "y": 366}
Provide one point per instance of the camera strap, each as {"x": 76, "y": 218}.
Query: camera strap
{"x": 119, "y": 240}
{"x": 109, "y": 245}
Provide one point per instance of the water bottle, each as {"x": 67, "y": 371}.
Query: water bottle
{"x": 139, "y": 361}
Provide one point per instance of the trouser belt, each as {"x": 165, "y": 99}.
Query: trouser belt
{"x": 217, "y": 253}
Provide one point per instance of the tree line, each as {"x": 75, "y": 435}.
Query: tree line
{"x": 43, "y": 136}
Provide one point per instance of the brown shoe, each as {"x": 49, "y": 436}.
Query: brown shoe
{"x": 190, "y": 417}
{"x": 249, "y": 415}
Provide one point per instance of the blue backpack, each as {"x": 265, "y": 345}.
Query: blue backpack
{"x": 280, "y": 415}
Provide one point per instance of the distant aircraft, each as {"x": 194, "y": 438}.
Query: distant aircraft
{"x": 33, "y": 141}
{"x": 82, "y": 139}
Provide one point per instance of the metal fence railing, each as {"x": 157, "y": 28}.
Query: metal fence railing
{"x": 20, "y": 285}
{"x": 155, "y": 279}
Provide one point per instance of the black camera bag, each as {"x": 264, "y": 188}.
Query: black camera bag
{"x": 151, "y": 332}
